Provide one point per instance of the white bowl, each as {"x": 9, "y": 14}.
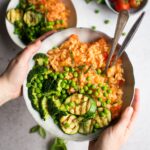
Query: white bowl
{"x": 10, "y": 26}
{"x": 85, "y": 35}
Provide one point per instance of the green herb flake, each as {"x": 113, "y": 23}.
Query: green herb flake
{"x": 42, "y": 132}
{"x": 124, "y": 34}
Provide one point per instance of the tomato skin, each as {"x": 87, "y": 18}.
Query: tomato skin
{"x": 135, "y": 3}
{"x": 122, "y": 5}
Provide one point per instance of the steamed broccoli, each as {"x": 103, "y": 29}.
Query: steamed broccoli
{"x": 41, "y": 59}
{"x": 35, "y": 72}
{"x": 33, "y": 97}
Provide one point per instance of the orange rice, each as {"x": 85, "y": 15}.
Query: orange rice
{"x": 53, "y": 10}
{"x": 94, "y": 56}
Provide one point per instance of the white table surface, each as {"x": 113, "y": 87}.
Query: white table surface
{"x": 15, "y": 119}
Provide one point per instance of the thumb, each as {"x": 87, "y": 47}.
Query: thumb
{"x": 124, "y": 120}
{"x": 29, "y": 51}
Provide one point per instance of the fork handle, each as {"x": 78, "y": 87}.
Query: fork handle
{"x": 122, "y": 20}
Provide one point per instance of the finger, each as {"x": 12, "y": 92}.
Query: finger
{"x": 135, "y": 105}
{"x": 29, "y": 51}
{"x": 124, "y": 120}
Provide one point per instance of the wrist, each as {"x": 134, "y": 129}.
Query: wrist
{"x": 6, "y": 93}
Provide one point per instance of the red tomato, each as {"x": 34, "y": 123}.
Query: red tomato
{"x": 135, "y": 3}
{"x": 122, "y": 5}
{"x": 105, "y": 54}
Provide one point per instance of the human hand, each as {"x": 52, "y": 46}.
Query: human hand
{"x": 114, "y": 136}
{"x": 12, "y": 79}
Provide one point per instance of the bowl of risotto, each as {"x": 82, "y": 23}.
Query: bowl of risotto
{"x": 67, "y": 92}
{"x": 26, "y": 20}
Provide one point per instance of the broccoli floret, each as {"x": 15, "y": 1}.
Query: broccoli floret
{"x": 33, "y": 98}
{"x": 54, "y": 108}
{"x": 41, "y": 59}
{"x": 36, "y": 71}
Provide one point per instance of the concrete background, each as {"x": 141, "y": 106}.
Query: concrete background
{"x": 15, "y": 120}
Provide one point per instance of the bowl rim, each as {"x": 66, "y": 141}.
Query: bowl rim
{"x": 27, "y": 100}
{"x": 10, "y": 27}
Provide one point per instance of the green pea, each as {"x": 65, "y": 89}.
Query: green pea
{"x": 96, "y": 93}
{"x": 67, "y": 69}
{"x": 39, "y": 95}
{"x": 106, "y": 111}
{"x": 86, "y": 88}
{"x": 104, "y": 88}
{"x": 82, "y": 91}
{"x": 98, "y": 90}
{"x": 75, "y": 87}
{"x": 38, "y": 81}
{"x": 93, "y": 86}
{"x": 64, "y": 96}
{"x": 109, "y": 91}
{"x": 75, "y": 74}
{"x": 67, "y": 107}
{"x": 65, "y": 74}
{"x": 98, "y": 71}
{"x": 90, "y": 91}
{"x": 73, "y": 83}
{"x": 88, "y": 78}
{"x": 61, "y": 76}
{"x": 63, "y": 84}
{"x": 108, "y": 101}
{"x": 105, "y": 94}
{"x": 89, "y": 84}
{"x": 35, "y": 84}
{"x": 100, "y": 99}
{"x": 103, "y": 104}
{"x": 67, "y": 87}
{"x": 102, "y": 114}
{"x": 72, "y": 69}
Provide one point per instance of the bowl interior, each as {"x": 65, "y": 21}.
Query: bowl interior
{"x": 131, "y": 11}
{"x": 10, "y": 27}
{"x": 85, "y": 35}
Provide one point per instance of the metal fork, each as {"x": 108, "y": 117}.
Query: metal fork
{"x": 129, "y": 37}
{"x": 122, "y": 20}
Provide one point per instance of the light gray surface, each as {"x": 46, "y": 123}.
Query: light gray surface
{"x": 15, "y": 119}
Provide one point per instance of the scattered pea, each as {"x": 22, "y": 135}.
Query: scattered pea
{"x": 96, "y": 11}
{"x": 55, "y": 76}
{"x": 97, "y": 126}
{"x": 106, "y": 21}
{"x": 61, "y": 76}
{"x": 67, "y": 87}
{"x": 106, "y": 111}
{"x": 89, "y": 84}
{"x": 103, "y": 104}
{"x": 41, "y": 78}
{"x": 40, "y": 85}
{"x": 63, "y": 92}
